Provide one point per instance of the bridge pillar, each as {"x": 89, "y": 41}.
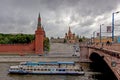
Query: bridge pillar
{"x": 84, "y": 52}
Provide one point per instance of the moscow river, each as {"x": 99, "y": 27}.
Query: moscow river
{"x": 91, "y": 73}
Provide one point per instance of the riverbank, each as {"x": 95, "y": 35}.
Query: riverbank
{"x": 35, "y": 58}
{"x": 16, "y": 58}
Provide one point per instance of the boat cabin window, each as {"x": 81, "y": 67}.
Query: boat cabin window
{"x": 41, "y": 69}
{"x": 61, "y": 69}
{"x": 34, "y": 69}
{"x": 48, "y": 69}
{"x": 70, "y": 69}
{"x": 14, "y": 68}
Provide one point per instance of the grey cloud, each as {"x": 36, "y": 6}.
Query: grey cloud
{"x": 21, "y": 15}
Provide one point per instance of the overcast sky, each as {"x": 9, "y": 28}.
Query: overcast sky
{"x": 83, "y": 16}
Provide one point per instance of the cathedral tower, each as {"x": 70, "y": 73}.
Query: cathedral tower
{"x": 70, "y": 37}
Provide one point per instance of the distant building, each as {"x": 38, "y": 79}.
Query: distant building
{"x": 70, "y": 37}
{"x": 57, "y": 40}
{"x": 104, "y": 39}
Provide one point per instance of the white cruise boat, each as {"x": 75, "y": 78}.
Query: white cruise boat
{"x": 47, "y": 68}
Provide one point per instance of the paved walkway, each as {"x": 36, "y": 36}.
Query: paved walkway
{"x": 61, "y": 49}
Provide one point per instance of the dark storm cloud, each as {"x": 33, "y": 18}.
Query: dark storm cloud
{"x": 57, "y": 15}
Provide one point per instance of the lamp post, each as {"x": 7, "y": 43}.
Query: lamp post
{"x": 94, "y": 36}
{"x": 113, "y": 24}
{"x": 91, "y": 39}
{"x": 100, "y": 32}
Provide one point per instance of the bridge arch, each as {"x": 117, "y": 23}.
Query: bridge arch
{"x": 109, "y": 57}
{"x": 99, "y": 64}
{"x": 96, "y": 57}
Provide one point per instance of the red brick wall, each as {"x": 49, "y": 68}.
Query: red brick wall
{"x": 17, "y": 48}
{"x": 34, "y": 47}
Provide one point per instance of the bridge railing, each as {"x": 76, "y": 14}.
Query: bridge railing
{"x": 107, "y": 51}
{"x": 83, "y": 44}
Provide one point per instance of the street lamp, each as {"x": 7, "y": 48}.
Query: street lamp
{"x": 91, "y": 39}
{"x": 94, "y": 36}
{"x": 113, "y": 24}
{"x": 100, "y": 31}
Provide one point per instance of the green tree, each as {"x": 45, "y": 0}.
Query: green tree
{"x": 80, "y": 40}
{"x": 46, "y": 44}
{"x": 83, "y": 38}
{"x": 14, "y": 39}
{"x": 65, "y": 40}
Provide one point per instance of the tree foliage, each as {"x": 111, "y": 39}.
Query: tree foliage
{"x": 46, "y": 44}
{"x": 82, "y": 39}
{"x": 16, "y": 38}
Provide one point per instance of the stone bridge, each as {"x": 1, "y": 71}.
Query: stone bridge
{"x": 109, "y": 53}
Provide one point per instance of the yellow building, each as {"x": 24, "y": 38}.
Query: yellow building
{"x": 103, "y": 40}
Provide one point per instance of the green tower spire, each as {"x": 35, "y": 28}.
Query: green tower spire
{"x": 39, "y": 21}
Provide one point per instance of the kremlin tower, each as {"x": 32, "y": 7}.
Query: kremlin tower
{"x": 39, "y": 37}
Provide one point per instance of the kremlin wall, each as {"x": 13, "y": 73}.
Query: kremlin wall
{"x": 34, "y": 47}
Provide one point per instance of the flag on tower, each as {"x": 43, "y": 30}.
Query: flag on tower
{"x": 108, "y": 29}
{"x": 98, "y": 34}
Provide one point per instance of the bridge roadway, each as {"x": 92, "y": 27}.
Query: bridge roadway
{"x": 111, "y": 55}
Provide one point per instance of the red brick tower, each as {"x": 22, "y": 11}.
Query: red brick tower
{"x": 39, "y": 37}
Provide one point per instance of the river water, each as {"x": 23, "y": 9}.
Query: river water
{"x": 90, "y": 74}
